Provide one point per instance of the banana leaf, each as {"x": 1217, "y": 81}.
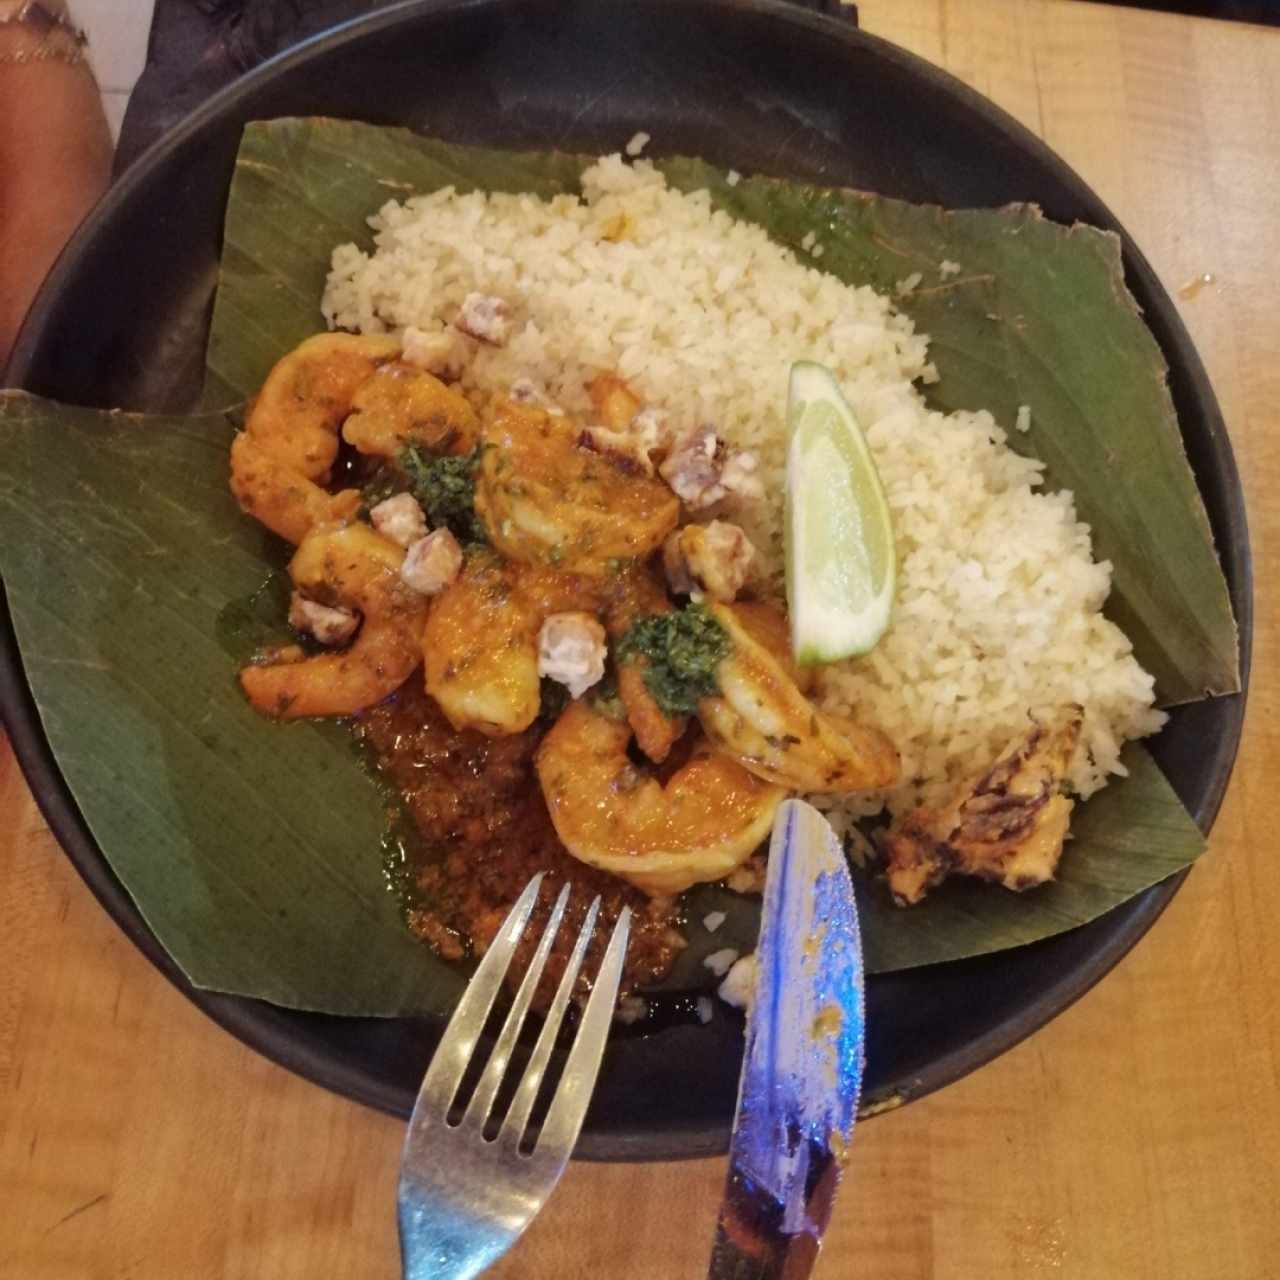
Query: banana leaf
{"x": 136, "y": 588}
{"x": 254, "y": 849}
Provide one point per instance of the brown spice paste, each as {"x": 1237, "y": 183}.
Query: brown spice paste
{"x": 485, "y": 832}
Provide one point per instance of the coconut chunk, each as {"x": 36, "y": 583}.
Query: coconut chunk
{"x": 485, "y": 318}
{"x": 622, "y": 448}
{"x": 527, "y": 391}
{"x": 711, "y": 559}
{"x": 653, "y": 429}
{"x": 740, "y": 475}
{"x": 631, "y": 1009}
{"x": 693, "y": 467}
{"x": 571, "y": 651}
{"x": 400, "y": 518}
{"x": 432, "y": 563}
{"x": 702, "y": 470}
{"x": 328, "y": 625}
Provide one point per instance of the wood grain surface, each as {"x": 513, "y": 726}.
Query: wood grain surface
{"x": 1135, "y": 1137}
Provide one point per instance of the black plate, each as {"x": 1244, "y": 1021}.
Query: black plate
{"x": 755, "y": 84}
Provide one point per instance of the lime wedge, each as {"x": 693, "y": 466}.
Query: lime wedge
{"x": 839, "y": 538}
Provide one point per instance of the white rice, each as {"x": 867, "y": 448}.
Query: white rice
{"x": 998, "y": 613}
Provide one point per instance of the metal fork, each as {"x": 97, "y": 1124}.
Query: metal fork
{"x": 465, "y": 1197}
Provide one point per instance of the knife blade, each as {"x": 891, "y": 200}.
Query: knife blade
{"x": 802, "y": 1067}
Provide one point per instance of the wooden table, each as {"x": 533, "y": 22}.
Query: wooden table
{"x": 1137, "y": 1136}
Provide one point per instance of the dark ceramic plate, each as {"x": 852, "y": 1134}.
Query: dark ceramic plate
{"x": 756, "y": 84}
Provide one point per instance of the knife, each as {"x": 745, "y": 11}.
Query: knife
{"x": 802, "y": 1069}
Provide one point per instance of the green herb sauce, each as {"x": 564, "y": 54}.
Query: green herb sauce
{"x": 445, "y": 488}
{"x": 681, "y": 652}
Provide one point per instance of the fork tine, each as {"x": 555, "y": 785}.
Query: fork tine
{"x": 514, "y": 1125}
{"x": 478, "y": 1108}
{"x": 569, "y": 1107}
{"x": 445, "y": 1073}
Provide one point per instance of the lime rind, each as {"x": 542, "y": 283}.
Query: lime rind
{"x": 840, "y": 561}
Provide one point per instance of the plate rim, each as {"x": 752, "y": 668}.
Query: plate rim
{"x": 257, "y": 1023}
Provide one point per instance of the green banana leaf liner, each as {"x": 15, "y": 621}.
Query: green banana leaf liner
{"x": 259, "y": 853}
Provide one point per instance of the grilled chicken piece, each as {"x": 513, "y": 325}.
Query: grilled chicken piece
{"x": 1007, "y": 825}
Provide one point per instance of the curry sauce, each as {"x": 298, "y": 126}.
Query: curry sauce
{"x": 483, "y": 831}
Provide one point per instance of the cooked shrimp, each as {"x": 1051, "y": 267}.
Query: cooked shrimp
{"x": 280, "y": 462}
{"x": 353, "y": 567}
{"x": 307, "y": 395}
{"x": 547, "y": 591}
{"x": 767, "y": 624}
{"x": 480, "y": 648}
{"x": 762, "y": 720}
{"x": 481, "y": 641}
{"x": 1007, "y": 824}
{"x": 481, "y": 645}
{"x": 637, "y": 594}
{"x": 704, "y": 822}
{"x": 546, "y": 500}
{"x": 282, "y": 498}
{"x": 401, "y": 405}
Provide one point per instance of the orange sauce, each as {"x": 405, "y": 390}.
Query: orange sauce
{"x": 484, "y": 832}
